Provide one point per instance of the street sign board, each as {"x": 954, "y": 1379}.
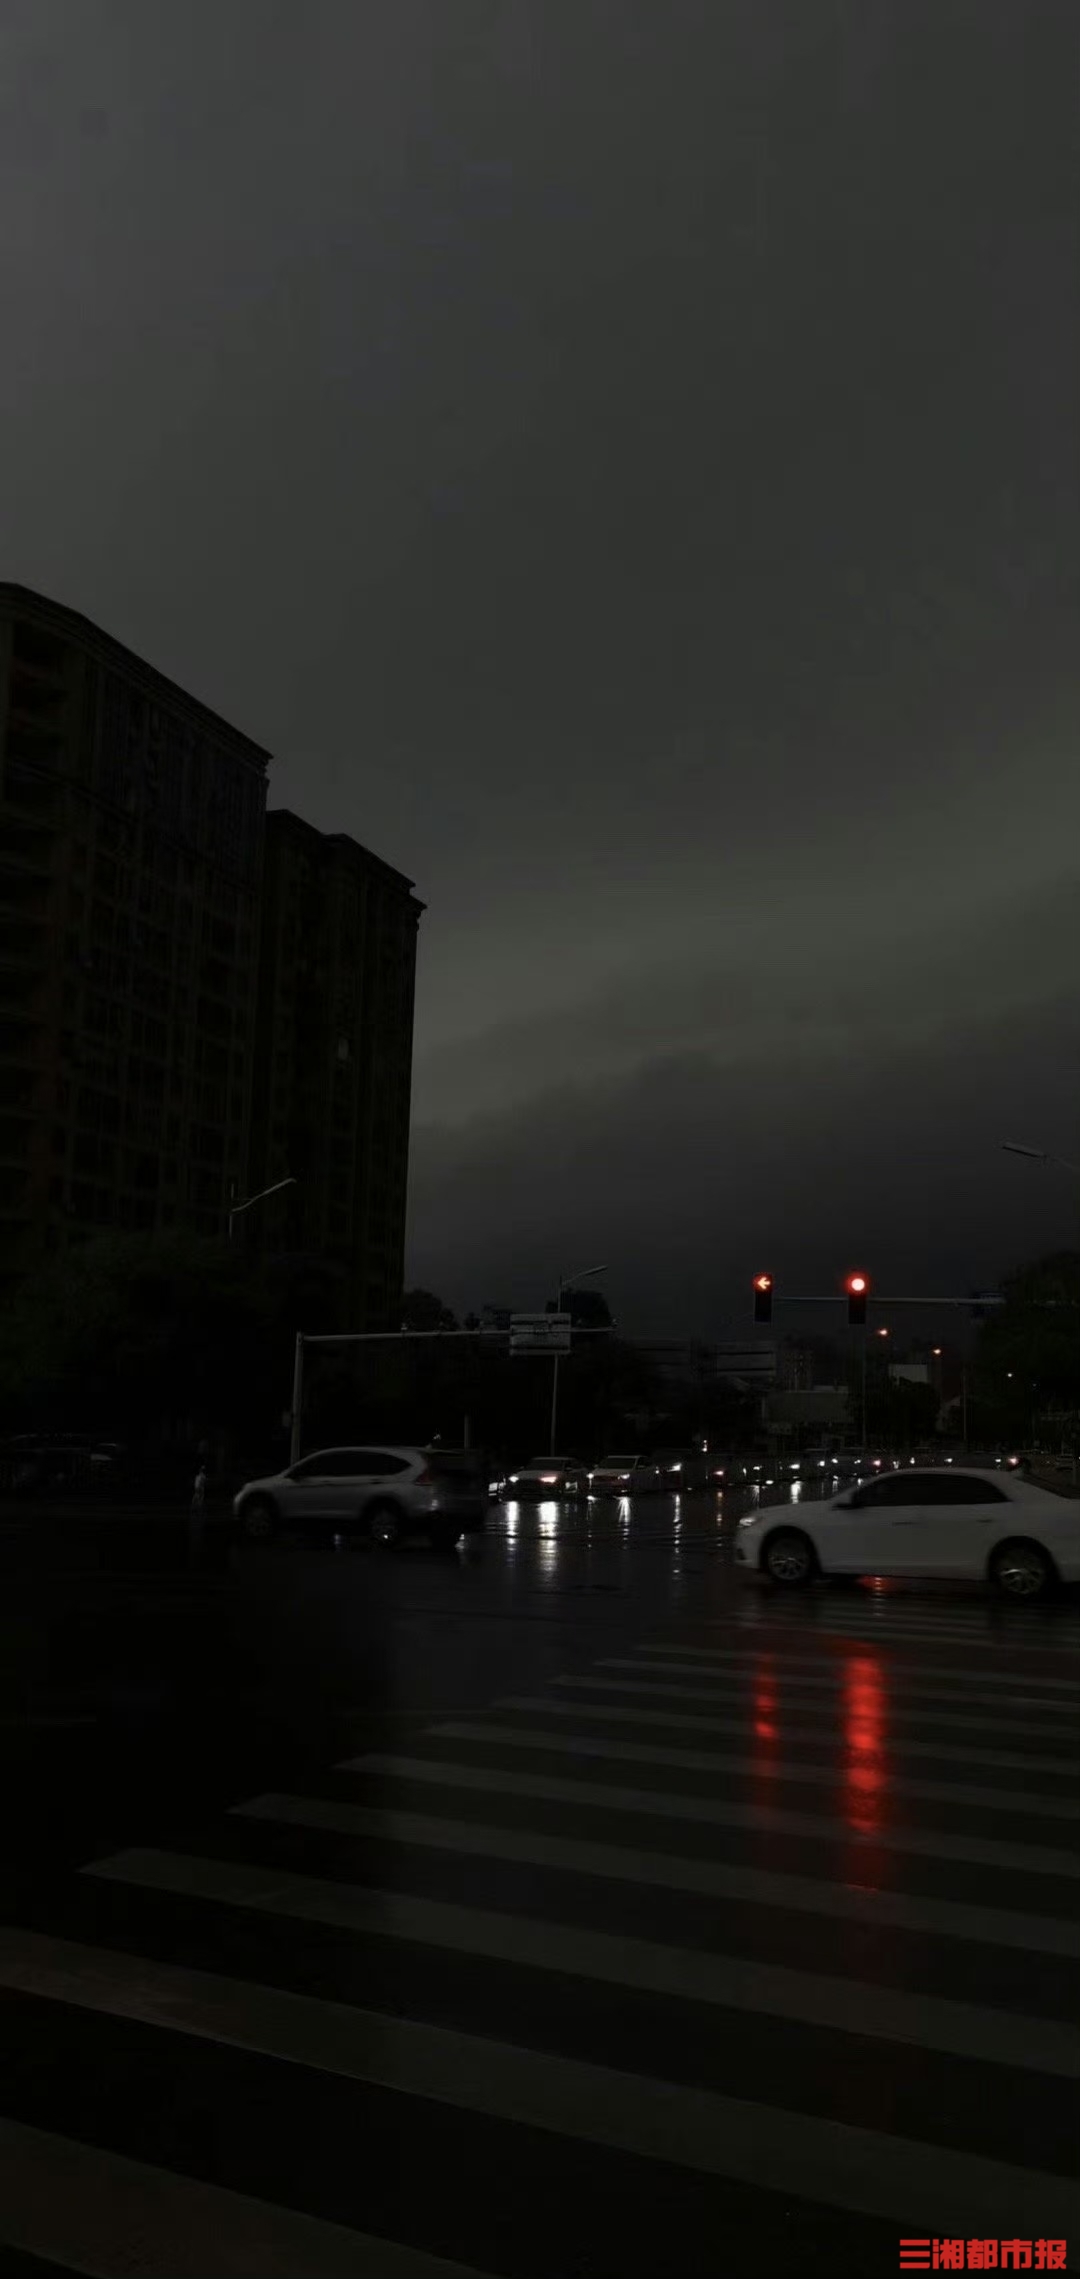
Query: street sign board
{"x": 539, "y": 1333}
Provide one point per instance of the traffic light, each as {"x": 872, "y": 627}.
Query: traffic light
{"x": 857, "y": 1287}
{"x": 763, "y": 1297}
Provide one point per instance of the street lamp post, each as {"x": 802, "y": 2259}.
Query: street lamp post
{"x": 566, "y": 1282}
{"x": 236, "y": 1208}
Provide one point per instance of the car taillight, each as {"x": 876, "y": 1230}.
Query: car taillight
{"x": 424, "y": 1479}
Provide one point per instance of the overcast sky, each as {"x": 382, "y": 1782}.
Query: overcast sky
{"x": 620, "y": 455}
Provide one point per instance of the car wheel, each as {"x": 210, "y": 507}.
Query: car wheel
{"x": 445, "y": 1536}
{"x": 382, "y": 1525}
{"x": 259, "y": 1520}
{"x": 789, "y": 1558}
{"x": 1021, "y": 1570}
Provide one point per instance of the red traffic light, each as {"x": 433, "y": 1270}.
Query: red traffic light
{"x": 763, "y": 1281}
{"x": 857, "y": 1287}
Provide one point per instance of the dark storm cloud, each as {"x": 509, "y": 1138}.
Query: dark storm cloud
{"x": 850, "y": 1111}
{"x": 620, "y": 457}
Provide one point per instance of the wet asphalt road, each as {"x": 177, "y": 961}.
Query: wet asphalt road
{"x": 571, "y": 1905}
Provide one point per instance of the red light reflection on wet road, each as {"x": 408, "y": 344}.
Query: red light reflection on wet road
{"x": 765, "y": 1726}
{"x": 865, "y": 1772}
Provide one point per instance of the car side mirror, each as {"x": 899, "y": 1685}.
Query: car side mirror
{"x": 847, "y": 1503}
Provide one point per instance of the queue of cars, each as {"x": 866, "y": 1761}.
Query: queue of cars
{"x": 37, "y": 1463}
{"x": 928, "y": 1515}
{"x": 687, "y": 1471}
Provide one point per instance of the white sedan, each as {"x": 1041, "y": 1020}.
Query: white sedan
{"x": 972, "y": 1525}
{"x": 624, "y": 1476}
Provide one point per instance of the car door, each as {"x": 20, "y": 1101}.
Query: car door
{"x": 376, "y": 1472}
{"x": 357, "y": 1476}
{"x": 862, "y": 1537}
{"x": 310, "y": 1485}
{"x": 960, "y": 1519}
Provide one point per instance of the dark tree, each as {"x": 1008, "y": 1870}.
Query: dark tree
{"x": 421, "y": 1309}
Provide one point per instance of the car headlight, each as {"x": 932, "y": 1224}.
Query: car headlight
{"x": 750, "y": 1519}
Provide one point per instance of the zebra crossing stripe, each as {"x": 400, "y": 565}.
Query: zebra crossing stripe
{"x": 95, "y": 2211}
{"x": 824, "y": 2161}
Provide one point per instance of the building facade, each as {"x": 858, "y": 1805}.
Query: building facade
{"x": 333, "y": 1059}
{"x": 131, "y": 823}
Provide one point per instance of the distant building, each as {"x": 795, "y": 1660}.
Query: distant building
{"x": 131, "y": 822}
{"x": 746, "y": 1365}
{"x": 333, "y": 1053}
{"x": 698, "y": 1366}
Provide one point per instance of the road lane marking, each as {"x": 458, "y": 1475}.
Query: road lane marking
{"x": 824, "y": 1723}
{"x": 94, "y": 2211}
{"x": 73, "y": 2196}
{"x": 649, "y": 1689}
{"x": 906, "y": 1677}
{"x": 910, "y": 1634}
{"x": 768, "y": 1819}
{"x": 844, "y": 2006}
{"x": 875, "y": 1775}
{"x": 899, "y": 1633}
{"x": 998, "y": 1926}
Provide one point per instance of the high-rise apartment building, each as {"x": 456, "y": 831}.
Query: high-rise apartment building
{"x": 333, "y": 1060}
{"x": 131, "y": 822}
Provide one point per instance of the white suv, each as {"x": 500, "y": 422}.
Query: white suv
{"x": 383, "y": 1494}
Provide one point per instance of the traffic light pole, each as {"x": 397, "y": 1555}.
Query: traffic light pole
{"x": 881, "y": 1298}
{"x": 391, "y": 1337}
